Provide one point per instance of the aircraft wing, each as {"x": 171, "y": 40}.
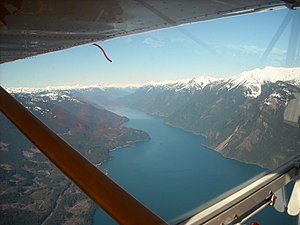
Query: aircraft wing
{"x": 29, "y": 28}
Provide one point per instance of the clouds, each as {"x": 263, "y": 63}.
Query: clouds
{"x": 153, "y": 42}
{"x": 181, "y": 40}
{"x": 255, "y": 50}
{"x": 246, "y": 49}
{"x": 224, "y": 53}
{"x": 276, "y": 57}
{"x": 157, "y": 42}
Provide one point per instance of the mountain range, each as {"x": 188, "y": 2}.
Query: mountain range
{"x": 253, "y": 117}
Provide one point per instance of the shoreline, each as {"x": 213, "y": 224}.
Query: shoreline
{"x": 201, "y": 136}
{"x": 105, "y": 171}
{"x": 131, "y": 144}
{"x": 212, "y": 149}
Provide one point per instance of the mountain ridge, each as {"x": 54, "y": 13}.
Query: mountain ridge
{"x": 252, "y": 77}
{"x": 242, "y": 119}
{"x": 223, "y": 110}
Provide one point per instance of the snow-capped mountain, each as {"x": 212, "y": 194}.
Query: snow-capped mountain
{"x": 196, "y": 83}
{"x": 243, "y": 116}
{"x": 249, "y": 117}
{"x": 163, "y": 98}
{"x": 51, "y": 88}
{"x": 252, "y": 80}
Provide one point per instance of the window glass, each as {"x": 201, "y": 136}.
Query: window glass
{"x": 179, "y": 117}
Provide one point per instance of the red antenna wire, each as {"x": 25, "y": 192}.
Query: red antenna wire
{"x": 103, "y": 52}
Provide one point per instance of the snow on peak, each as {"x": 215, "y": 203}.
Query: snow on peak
{"x": 196, "y": 83}
{"x": 203, "y": 81}
{"x": 252, "y": 80}
{"x": 51, "y": 88}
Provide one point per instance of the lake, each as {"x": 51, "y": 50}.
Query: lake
{"x": 173, "y": 174}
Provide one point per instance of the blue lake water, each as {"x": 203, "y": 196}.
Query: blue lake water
{"x": 173, "y": 174}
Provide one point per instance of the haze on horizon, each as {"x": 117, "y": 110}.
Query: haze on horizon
{"x": 217, "y": 48}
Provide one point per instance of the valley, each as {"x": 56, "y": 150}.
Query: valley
{"x": 252, "y": 117}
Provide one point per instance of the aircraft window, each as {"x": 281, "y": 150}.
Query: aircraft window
{"x": 178, "y": 118}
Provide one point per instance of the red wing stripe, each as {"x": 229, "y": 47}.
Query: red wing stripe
{"x": 103, "y": 52}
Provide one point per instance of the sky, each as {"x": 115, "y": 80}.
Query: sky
{"x": 219, "y": 48}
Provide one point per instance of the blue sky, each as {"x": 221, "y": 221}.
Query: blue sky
{"x": 231, "y": 45}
